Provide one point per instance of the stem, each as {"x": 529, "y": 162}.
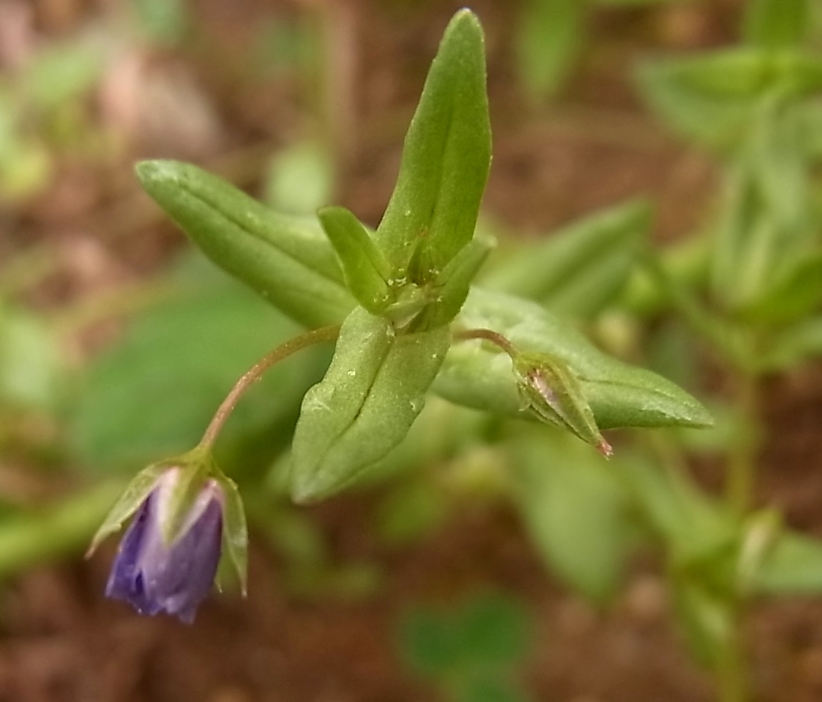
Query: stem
{"x": 741, "y": 467}
{"x": 487, "y": 335}
{"x": 254, "y": 373}
{"x": 733, "y": 682}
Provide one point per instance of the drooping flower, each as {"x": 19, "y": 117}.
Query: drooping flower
{"x": 187, "y": 515}
{"x": 173, "y": 578}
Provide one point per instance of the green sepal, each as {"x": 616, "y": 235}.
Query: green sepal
{"x": 128, "y": 503}
{"x": 285, "y": 259}
{"x": 620, "y": 395}
{"x": 445, "y": 160}
{"x": 371, "y": 394}
{"x": 192, "y": 469}
{"x": 364, "y": 266}
{"x": 552, "y": 393}
{"x": 235, "y": 534}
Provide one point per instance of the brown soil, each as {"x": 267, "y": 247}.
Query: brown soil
{"x": 62, "y": 642}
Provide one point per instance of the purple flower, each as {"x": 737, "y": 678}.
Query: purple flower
{"x": 173, "y": 578}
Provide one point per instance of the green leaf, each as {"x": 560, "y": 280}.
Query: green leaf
{"x": 300, "y": 178}
{"x": 365, "y": 268}
{"x": 794, "y": 297}
{"x": 581, "y": 268}
{"x": 619, "y": 394}
{"x": 711, "y": 97}
{"x": 365, "y": 405}
{"x": 428, "y": 642}
{"x": 32, "y": 372}
{"x": 549, "y": 38}
{"x": 707, "y": 620}
{"x": 492, "y": 632}
{"x": 776, "y": 24}
{"x": 485, "y": 688}
{"x": 285, "y": 259}
{"x": 794, "y": 344}
{"x": 446, "y": 157}
{"x": 576, "y": 512}
{"x": 793, "y": 566}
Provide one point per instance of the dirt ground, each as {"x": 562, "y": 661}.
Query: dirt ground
{"x": 63, "y": 642}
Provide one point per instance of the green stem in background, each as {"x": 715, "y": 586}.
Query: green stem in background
{"x": 732, "y": 673}
{"x": 741, "y": 465}
{"x": 256, "y": 372}
{"x": 486, "y": 335}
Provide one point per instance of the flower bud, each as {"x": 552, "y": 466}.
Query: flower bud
{"x": 550, "y": 390}
{"x": 187, "y": 515}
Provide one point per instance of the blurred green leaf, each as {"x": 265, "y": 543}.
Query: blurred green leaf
{"x": 62, "y": 72}
{"x": 794, "y": 297}
{"x": 285, "y": 259}
{"x": 794, "y": 344}
{"x": 581, "y": 268}
{"x": 365, "y": 405}
{"x": 433, "y": 209}
{"x": 428, "y": 642}
{"x": 576, "y": 511}
{"x": 300, "y": 178}
{"x": 164, "y": 22}
{"x": 549, "y": 38}
{"x": 493, "y": 631}
{"x": 32, "y": 372}
{"x": 484, "y": 688}
{"x": 775, "y": 24}
{"x": 793, "y": 566}
{"x": 711, "y": 97}
{"x": 707, "y": 621}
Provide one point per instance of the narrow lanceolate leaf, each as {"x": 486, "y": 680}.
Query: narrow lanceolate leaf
{"x": 365, "y": 405}
{"x": 285, "y": 259}
{"x": 619, "y": 395}
{"x": 445, "y": 160}
{"x": 365, "y": 268}
{"x": 581, "y": 268}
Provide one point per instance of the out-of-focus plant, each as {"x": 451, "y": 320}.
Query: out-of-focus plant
{"x": 44, "y": 112}
{"x": 472, "y": 651}
{"x": 551, "y": 35}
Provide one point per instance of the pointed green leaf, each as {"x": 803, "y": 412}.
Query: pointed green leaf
{"x": 446, "y": 157}
{"x": 370, "y": 396}
{"x": 619, "y": 394}
{"x": 365, "y": 268}
{"x": 285, "y": 259}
